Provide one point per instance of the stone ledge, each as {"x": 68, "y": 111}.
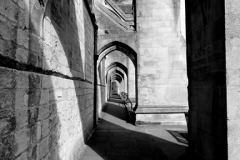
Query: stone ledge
{"x": 152, "y": 109}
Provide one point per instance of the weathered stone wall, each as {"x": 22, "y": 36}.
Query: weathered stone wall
{"x": 108, "y": 31}
{"x": 162, "y": 80}
{"x": 46, "y": 81}
{"x": 207, "y": 79}
{"x": 232, "y": 21}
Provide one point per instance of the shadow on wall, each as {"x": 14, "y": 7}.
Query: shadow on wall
{"x": 51, "y": 77}
{"x": 72, "y": 55}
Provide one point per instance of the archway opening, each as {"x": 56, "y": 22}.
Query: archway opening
{"x": 116, "y": 64}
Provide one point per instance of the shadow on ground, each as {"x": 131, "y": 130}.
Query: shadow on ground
{"x": 114, "y": 139}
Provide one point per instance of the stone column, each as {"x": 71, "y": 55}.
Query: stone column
{"x": 162, "y": 76}
{"x": 210, "y": 93}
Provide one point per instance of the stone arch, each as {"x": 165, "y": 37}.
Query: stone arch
{"x": 117, "y": 64}
{"x": 117, "y": 72}
{"x": 119, "y": 46}
{"x": 37, "y": 11}
{"x": 114, "y": 70}
{"x": 125, "y": 49}
{"x": 117, "y": 77}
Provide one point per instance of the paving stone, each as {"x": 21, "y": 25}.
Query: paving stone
{"x": 95, "y": 151}
{"x": 141, "y": 142}
{"x": 101, "y": 133}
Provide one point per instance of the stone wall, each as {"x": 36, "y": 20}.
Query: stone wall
{"x": 207, "y": 78}
{"x": 109, "y": 31}
{"x": 162, "y": 79}
{"x": 131, "y": 81}
{"x": 46, "y": 81}
{"x": 232, "y": 37}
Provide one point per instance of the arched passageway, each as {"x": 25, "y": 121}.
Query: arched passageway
{"x": 119, "y": 46}
{"x": 116, "y": 76}
{"x": 47, "y": 50}
{"x": 117, "y": 65}
{"x": 115, "y": 70}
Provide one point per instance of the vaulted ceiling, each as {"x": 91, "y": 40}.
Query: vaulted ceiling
{"x": 123, "y": 1}
{"x": 125, "y": 5}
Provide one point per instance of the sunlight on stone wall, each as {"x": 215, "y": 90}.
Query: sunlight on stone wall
{"x": 70, "y": 55}
{"x": 46, "y": 84}
{"x": 162, "y": 51}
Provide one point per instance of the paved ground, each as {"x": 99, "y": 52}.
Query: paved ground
{"x": 115, "y": 139}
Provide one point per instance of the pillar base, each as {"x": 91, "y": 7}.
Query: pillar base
{"x": 164, "y": 115}
{"x": 190, "y": 155}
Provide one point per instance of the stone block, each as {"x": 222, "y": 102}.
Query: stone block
{"x": 34, "y": 59}
{"x": 232, "y": 101}
{"x": 22, "y": 80}
{"x": 7, "y": 99}
{"x": 9, "y": 9}
{"x": 43, "y": 112}
{"x": 44, "y": 97}
{"x": 47, "y": 82}
{"x": 46, "y": 64}
{"x": 58, "y": 95}
{"x": 7, "y": 146}
{"x": 43, "y": 147}
{"x": 47, "y": 49}
{"x": 53, "y": 125}
{"x": 23, "y": 38}
{"x": 35, "y": 45}
{"x": 39, "y": 131}
{"x": 34, "y": 97}
{"x": 33, "y": 116}
{"x": 22, "y": 139}
{"x": 33, "y": 152}
{"x": 161, "y": 118}
{"x": 7, "y": 78}
{"x": 21, "y": 99}
{"x": 34, "y": 81}
{"x": 53, "y": 109}
{"x": 23, "y": 156}
{"x": 7, "y": 32}
{"x": 21, "y": 118}
{"x": 8, "y": 123}
{"x": 45, "y": 128}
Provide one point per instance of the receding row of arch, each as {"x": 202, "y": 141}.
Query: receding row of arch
{"x": 116, "y": 71}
